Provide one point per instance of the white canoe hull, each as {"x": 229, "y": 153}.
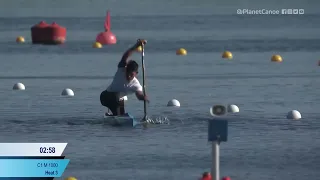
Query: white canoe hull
{"x": 124, "y": 120}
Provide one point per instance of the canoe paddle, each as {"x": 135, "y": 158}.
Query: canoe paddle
{"x": 144, "y": 120}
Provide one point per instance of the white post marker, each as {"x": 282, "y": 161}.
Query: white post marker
{"x": 217, "y": 132}
{"x": 215, "y": 168}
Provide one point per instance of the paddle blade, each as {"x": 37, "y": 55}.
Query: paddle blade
{"x": 145, "y": 122}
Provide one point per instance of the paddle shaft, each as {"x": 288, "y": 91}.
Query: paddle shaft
{"x": 144, "y": 82}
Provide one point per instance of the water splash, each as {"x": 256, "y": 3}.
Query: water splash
{"x": 158, "y": 120}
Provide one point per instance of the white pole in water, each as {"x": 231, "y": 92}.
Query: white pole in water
{"x": 217, "y": 133}
{"x": 215, "y": 168}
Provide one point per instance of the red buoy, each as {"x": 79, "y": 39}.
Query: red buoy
{"x": 57, "y": 34}
{"x": 206, "y": 176}
{"x": 226, "y": 178}
{"x": 107, "y": 37}
{"x": 37, "y": 34}
{"x": 44, "y": 33}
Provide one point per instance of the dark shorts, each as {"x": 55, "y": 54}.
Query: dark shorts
{"x": 111, "y": 101}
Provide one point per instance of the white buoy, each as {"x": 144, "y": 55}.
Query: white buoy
{"x": 294, "y": 114}
{"x": 67, "y": 92}
{"x": 19, "y": 86}
{"x": 174, "y": 102}
{"x": 233, "y": 108}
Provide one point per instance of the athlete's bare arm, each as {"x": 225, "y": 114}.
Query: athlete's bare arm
{"x": 141, "y": 97}
{"x": 127, "y": 54}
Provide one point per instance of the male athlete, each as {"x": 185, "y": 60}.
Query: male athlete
{"x": 124, "y": 83}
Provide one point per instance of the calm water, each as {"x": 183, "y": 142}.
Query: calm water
{"x": 263, "y": 144}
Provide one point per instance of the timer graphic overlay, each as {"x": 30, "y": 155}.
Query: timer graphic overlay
{"x": 32, "y": 161}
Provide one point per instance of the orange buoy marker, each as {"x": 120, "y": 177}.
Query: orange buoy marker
{"x": 206, "y": 176}
{"x": 139, "y": 49}
{"x": 106, "y": 37}
{"x": 70, "y": 178}
{"x": 276, "y": 58}
{"x": 97, "y": 45}
{"x": 20, "y": 39}
{"x": 181, "y": 52}
{"x": 227, "y": 55}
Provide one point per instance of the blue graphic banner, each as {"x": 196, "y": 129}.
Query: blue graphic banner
{"x": 32, "y": 167}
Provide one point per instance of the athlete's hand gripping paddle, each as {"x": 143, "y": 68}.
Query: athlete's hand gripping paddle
{"x": 142, "y": 44}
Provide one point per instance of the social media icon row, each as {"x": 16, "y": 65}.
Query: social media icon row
{"x": 292, "y": 11}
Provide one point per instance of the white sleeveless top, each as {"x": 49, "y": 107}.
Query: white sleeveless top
{"x": 120, "y": 84}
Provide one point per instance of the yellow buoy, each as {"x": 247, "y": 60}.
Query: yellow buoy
{"x": 20, "y": 39}
{"x": 97, "y": 45}
{"x": 181, "y": 52}
{"x": 276, "y": 58}
{"x": 139, "y": 49}
{"x": 71, "y": 178}
{"x": 227, "y": 55}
